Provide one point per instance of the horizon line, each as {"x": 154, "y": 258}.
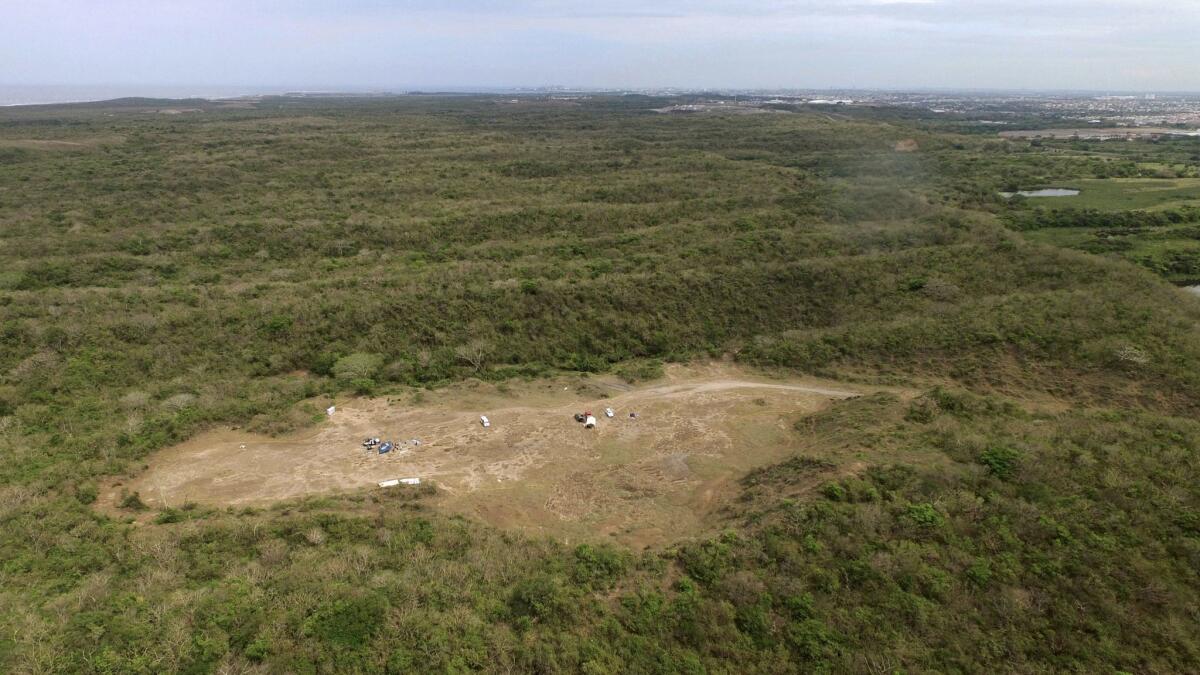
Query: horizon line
{"x": 250, "y": 91}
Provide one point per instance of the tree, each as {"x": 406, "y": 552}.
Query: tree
{"x": 358, "y": 371}
{"x": 475, "y": 353}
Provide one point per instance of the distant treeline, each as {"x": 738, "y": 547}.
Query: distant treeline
{"x": 1038, "y": 219}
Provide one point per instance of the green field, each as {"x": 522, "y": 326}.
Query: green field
{"x": 1017, "y": 491}
{"x": 1130, "y": 193}
{"x": 1139, "y": 201}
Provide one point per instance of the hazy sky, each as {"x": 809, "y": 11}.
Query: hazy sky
{"x": 1078, "y": 44}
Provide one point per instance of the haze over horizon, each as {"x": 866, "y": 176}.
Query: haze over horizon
{"x": 1130, "y": 45}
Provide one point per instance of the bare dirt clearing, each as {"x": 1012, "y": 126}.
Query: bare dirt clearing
{"x": 637, "y": 480}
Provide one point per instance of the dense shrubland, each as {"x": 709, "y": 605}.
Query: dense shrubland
{"x": 1039, "y": 218}
{"x": 167, "y": 274}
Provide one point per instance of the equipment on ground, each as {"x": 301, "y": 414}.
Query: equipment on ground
{"x": 393, "y": 482}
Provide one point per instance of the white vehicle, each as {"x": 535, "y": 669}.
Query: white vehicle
{"x": 608, "y": 412}
{"x": 590, "y": 422}
{"x": 485, "y": 421}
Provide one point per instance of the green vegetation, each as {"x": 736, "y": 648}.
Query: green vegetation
{"x": 1171, "y": 251}
{"x": 1127, "y": 193}
{"x": 1133, "y": 196}
{"x": 165, "y": 274}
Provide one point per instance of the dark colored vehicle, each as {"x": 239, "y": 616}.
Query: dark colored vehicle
{"x": 386, "y": 447}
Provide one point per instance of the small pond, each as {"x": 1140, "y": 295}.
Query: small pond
{"x": 1044, "y": 192}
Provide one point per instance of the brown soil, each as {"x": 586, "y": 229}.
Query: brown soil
{"x": 639, "y": 481}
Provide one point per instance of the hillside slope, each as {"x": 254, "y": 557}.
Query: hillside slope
{"x": 1036, "y": 510}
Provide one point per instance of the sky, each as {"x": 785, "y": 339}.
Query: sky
{"x": 1111, "y": 45}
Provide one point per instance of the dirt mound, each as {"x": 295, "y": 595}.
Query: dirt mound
{"x": 535, "y": 468}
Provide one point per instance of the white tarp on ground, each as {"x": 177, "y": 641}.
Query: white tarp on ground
{"x": 397, "y": 481}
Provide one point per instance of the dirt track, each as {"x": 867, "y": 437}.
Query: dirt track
{"x": 536, "y": 469}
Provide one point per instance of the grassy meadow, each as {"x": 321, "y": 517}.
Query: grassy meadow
{"x": 1114, "y": 194}
{"x": 165, "y": 272}
{"x": 1139, "y": 200}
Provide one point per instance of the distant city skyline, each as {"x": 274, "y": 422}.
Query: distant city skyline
{"x": 256, "y": 46}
